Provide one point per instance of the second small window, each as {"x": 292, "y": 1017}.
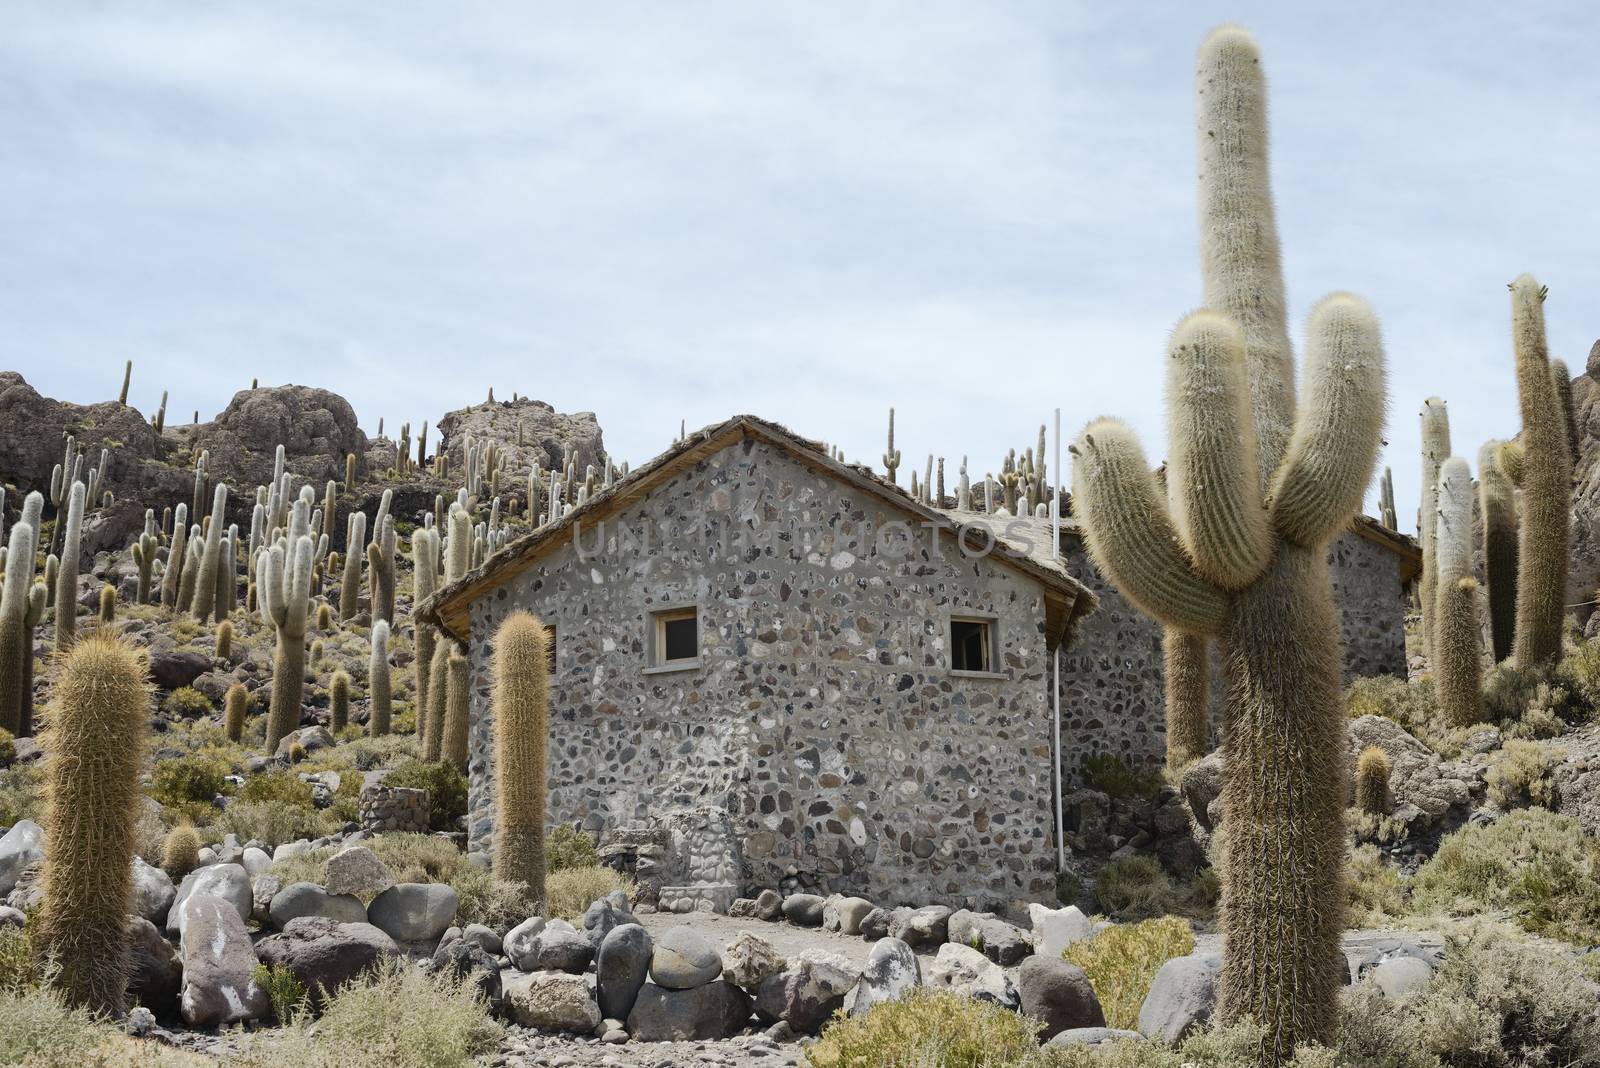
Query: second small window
{"x": 677, "y": 637}
{"x": 972, "y": 645}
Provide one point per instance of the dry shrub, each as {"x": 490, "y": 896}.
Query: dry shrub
{"x": 572, "y": 890}
{"x": 1138, "y": 888}
{"x": 924, "y": 1030}
{"x": 1122, "y": 961}
{"x": 1522, "y": 774}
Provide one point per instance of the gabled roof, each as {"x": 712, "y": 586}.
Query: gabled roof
{"x": 448, "y": 609}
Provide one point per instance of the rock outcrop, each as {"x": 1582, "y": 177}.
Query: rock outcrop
{"x": 546, "y": 434}
{"x": 316, "y": 428}
{"x": 1583, "y": 568}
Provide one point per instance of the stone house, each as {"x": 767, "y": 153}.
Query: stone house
{"x": 774, "y": 668}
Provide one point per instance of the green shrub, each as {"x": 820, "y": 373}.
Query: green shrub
{"x": 1522, "y": 774}
{"x": 1376, "y": 894}
{"x": 18, "y": 969}
{"x": 290, "y": 999}
{"x": 8, "y": 746}
{"x": 568, "y": 893}
{"x": 1538, "y": 866}
{"x": 186, "y": 702}
{"x": 447, "y": 789}
{"x": 492, "y": 902}
{"x": 21, "y": 795}
{"x": 274, "y": 822}
{"x": 1114, "y": 778}
{"x": 567, "y": 847}
{"x": 1137, "y": 888}
{"x": 1122, "y": 961}
{"x": 1580, "y": 670}
{"x": 1496, "y": 1002}
{"x": 189, "y": 778}
{"x": 927, "y": 1029}
{"x": 1413, "y": 705}
{"x": 284, "y": 786}
{"x": 38, "y": 1028}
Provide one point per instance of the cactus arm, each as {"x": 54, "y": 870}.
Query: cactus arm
{"x": 1131, "y": 535}
{"x": 1213, "y": 484}
{"x": 1334, "y": 450}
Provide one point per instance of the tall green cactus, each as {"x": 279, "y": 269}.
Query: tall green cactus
{"x": 380, "y": 571}
{"x": 67, "y": 575}
{"x": 350, "y": 584}
{"x": 521, "y": 677}
{"x": 425, "y": 577}
{"x": 438, "y": 698}
{"x": 379, "y": 691}
{"x": 1497, "y": 504}
{"x": 457, "y": 711}
{"x": 1435, "y": 450}
{"x": 205, "y": 586}
{"x": 285, "y": 590}
{"x": 16, "y": 649}
{"x": 144, "y": 558}
{"x": 94, "y": 748}
{"x": 1243, "y": 556}
{"x": 339, "y": 701}
{"x": 1562, "y": 379}
{"x": 1546, "y": 486}
{"x": 175, "y": 554}
{"x": 235, "y": 708}
{"x": 1457, "y": 665}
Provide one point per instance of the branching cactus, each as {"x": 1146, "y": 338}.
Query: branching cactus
{"x": 205, "y": 586}
{"x": 67, "y": 576}
{"x": 1497, "y": 504}
{"x": 379, "y": 691}
{"x": 521, "y": 677}
{"x": 285, "y": 591}
{"x": 1546, "y": 486}
{"x": 1259, "y": 486}
{"x": 94, "y": 750}
{"x": 144, "y": 557}
{"x": 1435, "y": 450}
{"x": 1457, "y": 665}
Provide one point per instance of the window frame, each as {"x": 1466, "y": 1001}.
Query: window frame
{"x": 991, "y": 624}
{"x": 656, "y": 638}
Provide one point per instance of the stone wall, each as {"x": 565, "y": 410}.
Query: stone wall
{"x": 822, "y": 717}
{"x": 1112, "y": 699}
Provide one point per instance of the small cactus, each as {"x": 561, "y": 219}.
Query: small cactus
{"x": 94, "y": 748}
{"x": 108, "y": 604}
{"x": 180, "y": 851}
{"x": 521, "y": 728}
{"x": 225, "y": 640}
{"x": 235, "y": 709}
{"x": 1372, "y": 781}
{"x": 378, "y": 687}
{"x": 324, "y": 616}
{"x": 339, "y": 701}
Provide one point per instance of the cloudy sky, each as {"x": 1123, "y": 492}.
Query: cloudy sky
{"x": 974, "y": 212}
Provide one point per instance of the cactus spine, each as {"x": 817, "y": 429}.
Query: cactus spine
{"x": 1546, "y": 486}
{"x": 339, "y": 701}
{"x": 1457, "y": 667}
{"x": 16, "y": 648}
{"x": 1285, "y": 785}
{"x": 458, "y": 698}
{"x": 1188, "y": 694}
{"x": 94, "y": 749}
{"x": 521, "y": 728}
{"x": 67, "y": 576}
{"x": 285, "y": 591}
{"x": 235, "y": 707}
{"x": 1497, "y": 503}
{"x": 380, "y": 701}
{"x": 1372, "y": 781}
{"x": 205, "y": 586}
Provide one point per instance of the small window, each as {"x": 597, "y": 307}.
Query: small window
{"x": 971, "y": 645}
{"x": 677, "y": 637}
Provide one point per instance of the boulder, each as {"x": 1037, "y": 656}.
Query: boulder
{"x": 875, "y": 924}
{"x": 923, "y": 929}
{"x": 683, "y": 959}
{"x": 518, "y": 942}
{"x": 546, "y": 434}
{"x": 1201, "y": 787}
{"x": 749, "y": 960}
{"x": 1181, "y": 998}
{"x": 1435, "y": 789}
{"x": 554, "y": 946}
{"x": 309, "y": 899}
{"x": 316, "y": 428}
{"x": 479, "y": 935}
{"x": 414, "y": 912}
{"x": 602, "y": 916}
{"x": 803, "y": 910}
{"x": 621, "y": 967}
{"x": 173, "y": 670}
{"x": 807, "y": 991}
{"x": 309, "y": 738}
{"x": 551, "y": 1001}
{"x": 263, "y": 888}
{"x": 10, "y": 917}
{"x": 155, "y": 971}
{"x": 219, "y": 963}
{"x": 324, "y": 953}
{"x": 21, "y": 846}
{"x": 153, "y": 892}
{"x": 1059, "y": 994}
{"x": 1056, "y": 929}
{"x": 891, "y": 972}
{"x": 226, "y": 881}
{"x": 715, "y": 1010}
{"x": 844, "y": 914}
{"x": 1401, "y": 976}
{"x": 996, "y": 939}
{"x": 255, "y": 860}
{"x": 769, "y": 904}
{"x": 963, "y": 971}
{"x": 470, "y": 962}
{"x": 357, "y": 870}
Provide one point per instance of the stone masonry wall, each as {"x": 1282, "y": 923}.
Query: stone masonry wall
{"x": 1112, "y": 698}
{"x": 822, "y": 716}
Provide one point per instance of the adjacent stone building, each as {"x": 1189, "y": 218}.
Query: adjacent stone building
{"x": 770, "y": 667}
